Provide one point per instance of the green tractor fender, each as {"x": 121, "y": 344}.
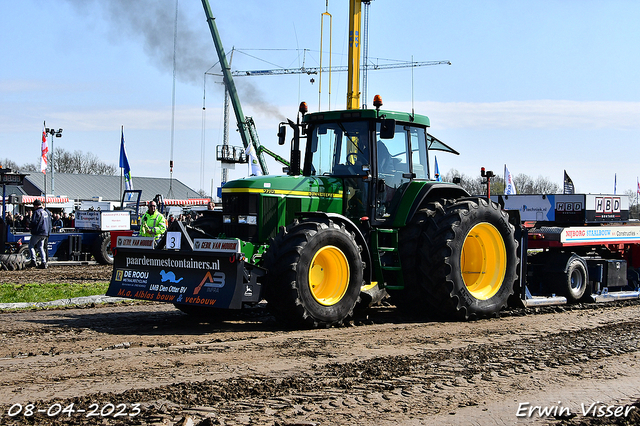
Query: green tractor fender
{"x": 351, "y": 227}
{"x": 418, "y": 193}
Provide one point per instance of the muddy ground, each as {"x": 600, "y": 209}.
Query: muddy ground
{"x": 149, "y": 364}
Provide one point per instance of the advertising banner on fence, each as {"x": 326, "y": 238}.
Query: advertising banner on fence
{"x": 192, "y": 278}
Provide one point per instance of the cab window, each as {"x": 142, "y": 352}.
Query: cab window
{"x": 340, "y": 149}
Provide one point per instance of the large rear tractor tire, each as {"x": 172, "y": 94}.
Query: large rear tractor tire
{"x": 315, "y": 273}
{"x": 412, "y": 300}
{"x": 467, "y": 259}
{"x": 102, "y": 249}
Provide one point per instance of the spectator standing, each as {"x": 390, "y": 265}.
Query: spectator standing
{"x": 40, "y": 227}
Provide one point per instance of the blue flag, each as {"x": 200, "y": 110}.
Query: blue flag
{"x": 437, "y": 174}
{"x": 124, "y": 164}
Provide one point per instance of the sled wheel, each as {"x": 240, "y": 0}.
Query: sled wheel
{"x": 573, "y": 282}
{"x": 102, "y": 249}
{"x": 26, "y": 255}
{"x": 25, "y": 252}
{"x": 314, "y": 274}
{"x": 468, "y": 260}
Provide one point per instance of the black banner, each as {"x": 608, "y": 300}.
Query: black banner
{"x": 193, "y": 278}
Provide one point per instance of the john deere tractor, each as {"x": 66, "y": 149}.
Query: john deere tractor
{"x": 355, "y": 217}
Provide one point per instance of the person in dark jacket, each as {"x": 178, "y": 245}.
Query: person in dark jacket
{"x": 40, "y": 227}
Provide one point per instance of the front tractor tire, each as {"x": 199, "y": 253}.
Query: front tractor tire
{"x": 315, "y": 273}
{"x": 466, "y": 257}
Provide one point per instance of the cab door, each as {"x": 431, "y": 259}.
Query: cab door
{"x": 393, "y": 170}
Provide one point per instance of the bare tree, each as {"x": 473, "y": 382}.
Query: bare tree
{"x": 634, "y": 207}
{"x": 543, "y": 185}
{"x": 525, "y": 184}
{"x": 67, "y": 162}
{"x": 473, "y": 185}
{"x": 28, "y": 167}
{"x": 78, "y": 162}
{"x": 8, "y": 164}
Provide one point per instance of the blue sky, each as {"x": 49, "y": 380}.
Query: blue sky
{"x": 541, "y": 86}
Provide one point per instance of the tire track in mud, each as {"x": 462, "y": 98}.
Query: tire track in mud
{"x": 434, "y": 381}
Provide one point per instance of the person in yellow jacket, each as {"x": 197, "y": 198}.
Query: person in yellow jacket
{"x": 153, "y": 224}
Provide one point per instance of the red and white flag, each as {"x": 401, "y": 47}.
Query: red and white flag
{"x": 45, "y": 151}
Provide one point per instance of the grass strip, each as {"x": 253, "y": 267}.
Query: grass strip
{"x": 19, "y": 293}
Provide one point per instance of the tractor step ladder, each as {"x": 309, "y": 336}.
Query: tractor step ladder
{"x": 388, "y": 258}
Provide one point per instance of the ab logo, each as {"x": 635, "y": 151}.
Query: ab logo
{"x": 215, "y": 280}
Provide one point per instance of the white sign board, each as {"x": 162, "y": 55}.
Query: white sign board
{"x": 116, "y": 221}
{"x": 174, "y": 239}
{"x": 601, "y": 234}
{"x": 87, "y": 219}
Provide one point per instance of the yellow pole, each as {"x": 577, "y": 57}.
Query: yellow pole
{"x": 353, "y": 82}
{"x": 326, "y": 13}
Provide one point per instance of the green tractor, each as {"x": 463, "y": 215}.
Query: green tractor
{"x": 356, "y": 217}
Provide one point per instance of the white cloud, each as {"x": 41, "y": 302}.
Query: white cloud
{"x": 186, "y": 117}
{"x": 529, "y": 114}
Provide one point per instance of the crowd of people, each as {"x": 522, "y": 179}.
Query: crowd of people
{"x": 40, "y": 222}
{"x": 20, "y": 222}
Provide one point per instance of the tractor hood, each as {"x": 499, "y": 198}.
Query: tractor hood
{"x": 255, "y": 207}
{"x": 321, "y": 187}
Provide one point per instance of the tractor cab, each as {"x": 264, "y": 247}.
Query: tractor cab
{"x": 376, "y": 153}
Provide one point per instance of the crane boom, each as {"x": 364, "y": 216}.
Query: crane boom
{"x": 316, "y": 70}
{"x": 243, "y": 126}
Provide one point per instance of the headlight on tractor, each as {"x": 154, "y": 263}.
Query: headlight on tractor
{"x": 226, "y": 218}
{"x": 248, "y": 219}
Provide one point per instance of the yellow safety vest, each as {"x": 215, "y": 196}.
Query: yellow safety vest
{"x": 153, "y": 225}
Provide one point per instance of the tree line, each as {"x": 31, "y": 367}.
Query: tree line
{"x": 525, "y": 184}
{"x": 67, "y": 162}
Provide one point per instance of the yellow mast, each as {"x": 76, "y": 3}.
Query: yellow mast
{"x": 353, "y": 82}
{"x": 325, "y": 14}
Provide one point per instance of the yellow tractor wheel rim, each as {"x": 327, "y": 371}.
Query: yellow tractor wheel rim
{"x": 483, "y": 261}
{"x": 329, "y": 275}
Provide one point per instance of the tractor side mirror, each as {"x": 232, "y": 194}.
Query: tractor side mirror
{"x": 387, "y": 128}
{"x": 282, "y": 134}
